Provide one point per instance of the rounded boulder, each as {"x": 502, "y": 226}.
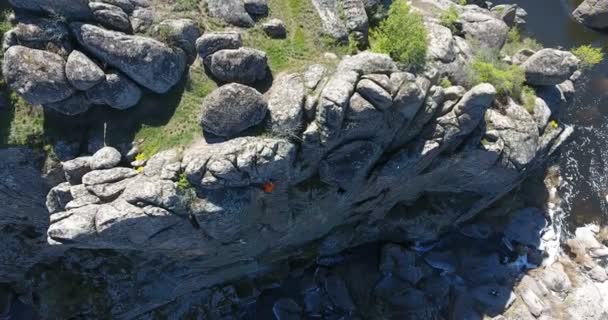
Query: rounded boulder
{"x": 231, "y": 109}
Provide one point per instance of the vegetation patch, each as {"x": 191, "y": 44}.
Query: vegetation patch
{"x": 589, "y": 55}
{"x": 507, "y": 79}
{"x": 516, "y": 42}
{"x": 186, "y": 5}
{"x": 183, "y": 126}
{"x": 449, "y": 18}
{"x": 402, "y": 35}
{"x": 20, "y": 123}
{"x": 303, "y": 45}
{"x": 528, "y": 98}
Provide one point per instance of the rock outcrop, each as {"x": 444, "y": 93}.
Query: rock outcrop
{"x": 592, "y": 13}
{"x": 150, "y": 63}
{"x": 550, "y": 67}
{"x": 36, "y": 75}
{"x": 232, "y": 108}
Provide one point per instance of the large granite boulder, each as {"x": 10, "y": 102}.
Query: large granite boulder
{"x": 36, "y": 75}
{"x": 329, "y": 12}
{"x": 286, "y": 105}
{"x": 40, "y": 33}
{"x": 592, "y": 13}
{"x": 212, "y": 42}
{"x": 116, "y": 91}
{"x": 82, "y": 72}
{"x": 150, "y": 63}
{"x": 232, "y": 108}
{"x": 243, "y": 65}
{"x": 231, "y": 11}
{"x": 484, "y": 27}
{"x": 110, "y": 16}
{"x": 181, "y": 33}
{"x": 549, "y": 67}
{"x": 69, "y": 9}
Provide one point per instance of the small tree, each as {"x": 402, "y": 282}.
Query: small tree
{"x": 589, "y": 55}
{"x": 402, "y": 35}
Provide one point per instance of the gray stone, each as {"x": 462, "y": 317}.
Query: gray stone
{"x": 232, "y": 108}
{"x": 444, "y": 260}
{"x": 375, "y": 94}
{"x": 401, "y": 263}
{"x": 515, "y": 131}
{"x": 110, "y": 16}
{"x": 117, "y": 92}
{"x": 550, "y": 67}
{"x": 148, "y": 62}
{"x": 126, "y": 5}
{"x": 74, "y": 105}
{"x": 82, "y": 73}
{"x": 243, "y": 65}
{"x": 212, "y": 42}
{"x": 182, "y": 33}
{"x": 313, "y": 76}
{"x": 58, "y": 198}
{"x": 107, "y": 176}
{"x": 441, "y": 43}
{"x": 485, "y": 28}
{"x": 142, "y": 19}
{"x": 522, "y": 55}
{"x": 39, "y": 33}
{"x": 275, "y": 28}
{"x": 367, "y": 63}
{"x": 541, "y": 113}
{"x": 37, "y": 76}
{"x": 348, "y": 165}
{"x": 286, "y": 105}
{"x": 163, "y": 164}
{"x": 329, "y": 12}
{"x": 105, "y": 158}
{"x": 231, "y": 11}
{"x": 239, "y": 162}
{"x": 256, "y": 7}
{"x": 70, "y": 9}
{"x": 555, "y": 278}
{"x": 76, "y": 168}
{"x": 592, "y": 13}
{"x": 356, "y": 20}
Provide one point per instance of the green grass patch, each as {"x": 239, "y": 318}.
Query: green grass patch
{"x": 303, "y": 44}
{"x": 402, "y": 35}
{"x": 449, "y": 18}
{"x": 589, "y": 55}
{"x": 515, "y": 42}
{"x": 183, "y": 126}
{"x": 186, "y": 5}
{"x": 21, "y": 123}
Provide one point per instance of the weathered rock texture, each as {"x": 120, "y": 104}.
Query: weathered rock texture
{"x": 592, "y": 13}
{"x": 378, "y": 145}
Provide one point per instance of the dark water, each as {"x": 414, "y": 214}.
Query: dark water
{"x": 584, "y": 160}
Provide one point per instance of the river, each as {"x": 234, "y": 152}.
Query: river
{"x": 583, "y": 161}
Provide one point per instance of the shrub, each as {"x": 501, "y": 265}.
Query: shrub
{"x": 589, "y": 55}
{"x": 507, "y": 79}
{"x": 449, "y": 18}
{"x": 183, "y": 183}
{"x": 445, "y": 82}
{"x": 528, "y": 98}
{"x": 402, "y": 35}
{"x": 516, "y": 42}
